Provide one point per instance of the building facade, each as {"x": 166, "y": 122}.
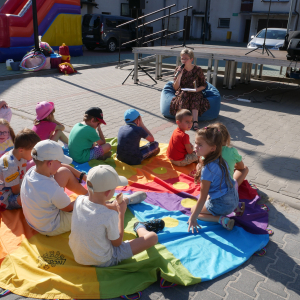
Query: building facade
{"x": 243, "y": 18}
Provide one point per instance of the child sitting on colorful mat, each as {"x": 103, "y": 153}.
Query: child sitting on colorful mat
{"x": 46, "y": 206}
{"x": 85, "y": 143}
{"x": 218, "y": 195}
{"x": 129, "y": 137}
{"x": 180, "y": 151}
{"x": 97, "y": 232}
{"x": 13, "y": 168}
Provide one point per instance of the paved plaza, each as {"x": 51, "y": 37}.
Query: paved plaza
{"x": 265, "y": 132}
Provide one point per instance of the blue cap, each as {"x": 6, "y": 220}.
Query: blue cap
{"x": 130, "y": 115}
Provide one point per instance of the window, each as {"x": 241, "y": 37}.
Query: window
{"x": 111, "y": 23}
{"x": 125, "y": 26}
{"x": 106, "y": 13}
{"x": 125, "y": 11}
{"x": 224, "y": 23}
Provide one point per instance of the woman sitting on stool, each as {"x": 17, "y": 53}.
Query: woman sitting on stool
{"x": 191, "y": 76}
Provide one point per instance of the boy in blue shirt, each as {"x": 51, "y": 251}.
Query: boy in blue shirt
{"x": 129, "y": 137}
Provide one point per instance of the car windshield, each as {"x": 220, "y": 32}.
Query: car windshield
{"x": 272, "y": 34}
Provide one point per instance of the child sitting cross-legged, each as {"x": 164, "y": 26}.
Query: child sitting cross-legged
{"x": 85, "y": 143}
{"x": 46, "y": 206}
{"x": 129, "y": 137}
{"x": 180, "y": 151}
{"x": 13, "y": 168}
{"x": 97, "y": 232}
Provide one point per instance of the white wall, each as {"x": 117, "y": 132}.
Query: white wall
{"x": 153, "y": 5}
{"x": 225, "y": 9}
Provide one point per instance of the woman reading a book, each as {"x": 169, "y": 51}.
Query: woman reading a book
{"x": 189, "y": 76}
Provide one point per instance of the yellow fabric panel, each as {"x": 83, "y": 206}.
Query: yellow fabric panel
{"x": 64, "y": 29}
{"x": 50, "y": 262}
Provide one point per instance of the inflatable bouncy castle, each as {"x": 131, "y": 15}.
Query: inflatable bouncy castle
{"x": 59, "y": 21}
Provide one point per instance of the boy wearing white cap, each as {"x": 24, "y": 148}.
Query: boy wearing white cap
{"x": 46, "y": 206}
{"x": 97, "y": 232}
{"x": 129, "y": 137}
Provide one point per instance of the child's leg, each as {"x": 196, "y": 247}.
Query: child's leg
{"x": 59, "y": 135}
{"x": 149, "y": 150}
{"x": 100, "y": 152}
{"x": 19, "y": 200}
{"x": 205, "y": 215}
{"x": 240, "y": 175}
{"x": 146, "y": 240}
{"x": 66, "y": 179}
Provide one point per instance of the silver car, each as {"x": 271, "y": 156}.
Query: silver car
{"x": 274, "y": 40}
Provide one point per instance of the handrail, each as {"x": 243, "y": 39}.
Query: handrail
{"x": 144, "y": 37}
{"x": 163, "y": 36}
{"x": 147, "y": 15}
{"x": 176, "y": 12}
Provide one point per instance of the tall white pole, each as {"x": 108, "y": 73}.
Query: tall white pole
{"x": 290, "y": 17}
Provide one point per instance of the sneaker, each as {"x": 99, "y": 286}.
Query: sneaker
{"x": 239, "y": 211}
{"x": 227, "y": 224}
{"x": 156, "y": 152}
{"x": 136, "y": 198}
{"x": 105, "y": 156}
{"x": 155, "y": 225}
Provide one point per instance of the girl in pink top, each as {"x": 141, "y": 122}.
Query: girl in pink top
{"x": 45, "y": 126}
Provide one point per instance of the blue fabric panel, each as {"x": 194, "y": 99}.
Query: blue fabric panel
{"x": 208, "y": 254}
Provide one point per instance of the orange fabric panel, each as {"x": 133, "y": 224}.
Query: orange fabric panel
{"x": 13, "y": 229}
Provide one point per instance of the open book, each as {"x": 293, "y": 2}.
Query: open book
{"x": 188, "y": 90}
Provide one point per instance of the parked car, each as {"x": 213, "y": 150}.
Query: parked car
{"x": 100, "y": 31}
{"x": 274, "y": 39}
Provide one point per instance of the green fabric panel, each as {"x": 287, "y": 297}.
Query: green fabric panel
{"x": 145, "y": 268}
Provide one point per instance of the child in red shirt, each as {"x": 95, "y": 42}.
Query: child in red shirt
{"x": 180, "y": 150}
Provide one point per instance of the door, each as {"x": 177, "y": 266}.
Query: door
{"x": 187, "y": 27}
{"x": 247, "y": 31}
{"x": 273, "y": 23}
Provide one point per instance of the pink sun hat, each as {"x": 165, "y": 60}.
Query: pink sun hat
{"x": 43, "y": 109}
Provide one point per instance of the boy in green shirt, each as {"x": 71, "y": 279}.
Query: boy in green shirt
{"x": 84, "y": 141}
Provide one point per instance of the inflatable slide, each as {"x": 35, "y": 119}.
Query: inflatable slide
{"x": 59, "y": 21}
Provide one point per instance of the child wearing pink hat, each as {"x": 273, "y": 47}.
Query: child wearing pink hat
{"x": 45, "y": 125}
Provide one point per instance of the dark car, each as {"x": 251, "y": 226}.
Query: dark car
{"x": 100, "y": 31}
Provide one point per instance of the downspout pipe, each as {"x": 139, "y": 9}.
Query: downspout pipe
{"x": 296, "y": 25}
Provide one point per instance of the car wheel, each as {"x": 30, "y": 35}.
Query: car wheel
{"x": 111, "y": 45}
{"x": 89, "y": 47}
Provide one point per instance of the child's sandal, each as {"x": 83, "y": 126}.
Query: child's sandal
{"x": 229, "y": 225}
{"x": 239, "y": 211}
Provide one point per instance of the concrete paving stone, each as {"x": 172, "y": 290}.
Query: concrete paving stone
{"x": 291, "y": 248}
{"x": 276, "y": 283}
{"x": 267, "y": 295}
{"x": 293, "y": 295}
{"x": 218, "y": 284}
{"x": 272, "y": 248}
{"x": 258, "y": 264}
{"x": 296, "y": 284}
{"x": 282, "y": 223}
{"x": 247, "y": 282}
{"x": 177, "y": 293}
{"x": 262, "y": 179}
{"x": 292, "y": 195}
{"x": 233, "y": 294}
{"x": 284, "y": 265}
{"x": 205, "y": 295}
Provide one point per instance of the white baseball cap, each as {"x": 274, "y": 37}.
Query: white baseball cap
{"x": 50, "y": 150}
{"x": 104, "y": 178}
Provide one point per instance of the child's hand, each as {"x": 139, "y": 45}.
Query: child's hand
{"x": 193, "y": 224}
{"x": 121, "y": 207}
